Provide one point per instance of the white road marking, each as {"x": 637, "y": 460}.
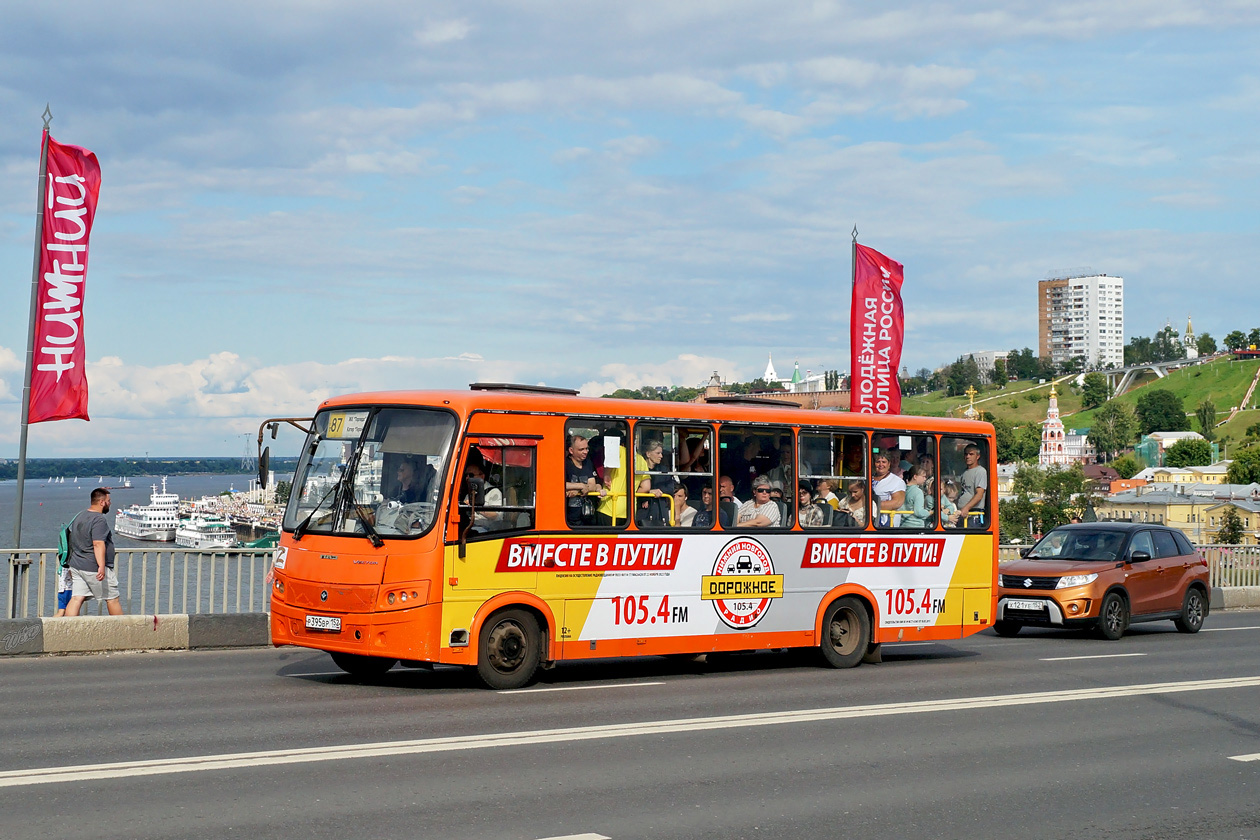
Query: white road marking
{"x": 1225, "y": 629}
{"x": 1092, "y": 656}
{"x": 576, "y": 688}
{"x": 380, "y": 749}
{"x": 1251, "y": 757}
{"x": 579, "y": 837}
{"x": 318, "y": 674}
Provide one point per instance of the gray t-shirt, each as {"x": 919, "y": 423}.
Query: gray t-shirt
{"x": 976, "y": 478}
{"x": 88, "y": 526}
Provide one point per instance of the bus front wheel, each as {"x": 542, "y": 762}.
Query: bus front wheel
{"x": 846, "y": 633}
{"x": 510, "y": 650}
{"x": 359, "y": 665}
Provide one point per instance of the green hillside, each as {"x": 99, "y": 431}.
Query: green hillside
{"x": 1224, "y": 381}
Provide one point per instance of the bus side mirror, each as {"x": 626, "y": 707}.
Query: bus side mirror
{"x": 264, "y": 462}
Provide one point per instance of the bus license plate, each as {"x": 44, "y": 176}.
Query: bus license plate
{"x": 323, "y": 622}
{"x": 1011, "y": 604}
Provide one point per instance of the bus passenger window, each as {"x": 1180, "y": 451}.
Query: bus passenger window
{"x": 834, "y": 466}
{"x": 672, "y": 469}
{"x": 756, "y": 453}
{"x": 596, "y": 473}
{"x": 965, "y": 476}
{"x": 903, "y": 479}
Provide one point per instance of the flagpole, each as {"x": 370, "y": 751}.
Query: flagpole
{"x": 30, "y": 340}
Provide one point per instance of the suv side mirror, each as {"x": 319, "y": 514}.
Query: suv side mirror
{"x": 1139, "y": 556}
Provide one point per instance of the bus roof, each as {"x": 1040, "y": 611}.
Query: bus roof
{"x": 465, "y": 402}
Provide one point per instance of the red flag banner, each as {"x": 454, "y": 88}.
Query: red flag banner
{"x": 876, "y": 329}
{"x": 59, "y": 388}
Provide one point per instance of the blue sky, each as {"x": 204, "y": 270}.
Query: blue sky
{"x": 302, "y": 199}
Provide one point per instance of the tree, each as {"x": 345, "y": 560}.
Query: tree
{"x": 1022, "y": 363}
{"x": 1253, "y": 337}
{"x": 1160, "y": 410}
{"x": 1245, "y": 468}
{"x": 999, "y": 371}
{"x": 283, "y": 488}
{"x": 1188, "y": 453}
{"x": 1235, "y": 340}
{"x": 963, "y": 374}
{"x": 1113, "y": 429}
{"x": 1046, "y": 368}
{"x": 1096, "y": 390}
{"x": 1128, "y": 465}
{"x": 1205, "y": 344}
{"x": 1231, "y": 532}
{"x": 1049, "y": 498}
{"x": 1138, "y": 351}
{"x": 1206, "y": 414}
{"x": 1167, "y": 346}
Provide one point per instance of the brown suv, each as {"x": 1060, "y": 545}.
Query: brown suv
{"x": 1104, "y": 575}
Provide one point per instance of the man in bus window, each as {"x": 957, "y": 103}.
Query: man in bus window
{"x": 760, "y": 511}
{"x": 411, "y": 487}
{"x": 492, "y": 498}
{"x": 726, "y": 491}
{"x": 579, "y": 480}
{"x": 888, "y": 488}
{"x": 974, "y": 484}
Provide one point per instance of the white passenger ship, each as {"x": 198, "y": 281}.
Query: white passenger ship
{"x": 205, "y": 532}
{"x": 155, "y": 521}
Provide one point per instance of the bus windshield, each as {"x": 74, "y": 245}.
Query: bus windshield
{"x": 374, "y": 471}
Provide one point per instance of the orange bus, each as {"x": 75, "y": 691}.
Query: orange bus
{"x": 507, "y": 527}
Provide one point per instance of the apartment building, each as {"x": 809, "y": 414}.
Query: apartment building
{"x": 1081, "y": 317}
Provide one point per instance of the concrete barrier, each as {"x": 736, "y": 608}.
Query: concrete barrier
{"x": 90, "y": 634}
{"x": 1230, "y": 597}
{"x": 237, "y": 630}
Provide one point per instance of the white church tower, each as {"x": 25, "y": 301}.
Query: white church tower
{"x": 1052, "y": 435}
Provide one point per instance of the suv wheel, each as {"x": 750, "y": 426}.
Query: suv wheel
{"x": 1193, "y": 611}
{"x": 1007, "y": 628}
{"x": 1113, "y": 618}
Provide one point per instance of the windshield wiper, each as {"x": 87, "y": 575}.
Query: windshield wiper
{"x": 366, "y": 520}
{"x": 302, "y": 526}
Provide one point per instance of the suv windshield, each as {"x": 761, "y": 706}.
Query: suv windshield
{"x": 1078, "y": 544}
{"x": 367, "y": 471}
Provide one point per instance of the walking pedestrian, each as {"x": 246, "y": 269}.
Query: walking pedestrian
{"x": 92, "y": 557}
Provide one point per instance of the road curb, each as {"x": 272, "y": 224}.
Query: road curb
{"x": 93, "y": 634}
{"x": 1228, "y": 597}
{"x": 220, "y": 631}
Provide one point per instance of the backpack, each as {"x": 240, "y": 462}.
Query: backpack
{"x": 63, "y": 544}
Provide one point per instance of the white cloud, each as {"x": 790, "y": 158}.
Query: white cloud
{"x": 444, "y": 32}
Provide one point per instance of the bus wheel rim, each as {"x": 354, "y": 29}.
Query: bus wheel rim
{"x": 843, "y": 632}
{"x": 507, "y": 646}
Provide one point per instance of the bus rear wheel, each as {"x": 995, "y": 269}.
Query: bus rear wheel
{"x": 359, "y": 665}
{"x": 846, "y": 633}
{"x": 510, "y": 650}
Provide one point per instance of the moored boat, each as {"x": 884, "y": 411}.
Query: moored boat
{"x": 155, "y": 521}
{"x": 205, "y": 532}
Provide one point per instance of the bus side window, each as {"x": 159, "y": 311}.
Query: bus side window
{"x": 833, "y": 465}
{"x": 965, "y": 490}
{"x": 903, "y": 474}
{"x": 597, "y": 473}
{"x": 497, "y": 488}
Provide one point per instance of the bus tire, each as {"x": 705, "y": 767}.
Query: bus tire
{"x": 1007, "y": 628}
{"x": 510, "y": 649}
{"x": 358, "y": 665}
{"x": 846, "y": 633}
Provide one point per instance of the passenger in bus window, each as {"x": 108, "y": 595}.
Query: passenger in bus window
{"x": 927, "y": 466}
{"x": 973, "y": 486}
{"x": 825, "y": 493}
{"x": 726, "y": 491}
{"x": 949, "y": 502}
{"x": 492, "y": 497}
{"x": 784, "y": 474}
{"x": 650, "y": 479}
{"x": 854, "y": 503}
{"x": 579, "y": 480}
{"x": 889, "y": 490}
{"x": 810, "y": 514}
{"x": 853, "y": 465}
{"x": 915, "y": 501}
{"x": 760, "y": 511}
{"x": 709, "y": 511}
{"x": 684, "y": 514}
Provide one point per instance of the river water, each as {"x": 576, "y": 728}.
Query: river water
{"x": 48, "y": 506}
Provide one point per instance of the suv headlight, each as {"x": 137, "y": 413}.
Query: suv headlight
{"x": 1075, "y": 580}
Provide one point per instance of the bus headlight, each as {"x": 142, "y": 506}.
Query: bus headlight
{"x": 1068, "y": 581}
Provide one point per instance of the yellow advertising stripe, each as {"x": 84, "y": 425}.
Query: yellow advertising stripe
{"x": 124, "y": 769}
{"x": 722, "y": 587}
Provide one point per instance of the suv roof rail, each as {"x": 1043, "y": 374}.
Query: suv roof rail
{"x": 532, "y": 389}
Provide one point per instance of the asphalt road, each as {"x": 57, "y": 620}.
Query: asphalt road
{"x": 1045, "y": 735}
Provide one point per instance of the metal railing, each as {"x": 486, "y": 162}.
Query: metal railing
{"x": 1228, "y": 565}
{"x": 150, "y": 580}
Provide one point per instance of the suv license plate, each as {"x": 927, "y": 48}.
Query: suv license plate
{"x": 323, "y": 622}
{"x": 1011, "y": 604}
